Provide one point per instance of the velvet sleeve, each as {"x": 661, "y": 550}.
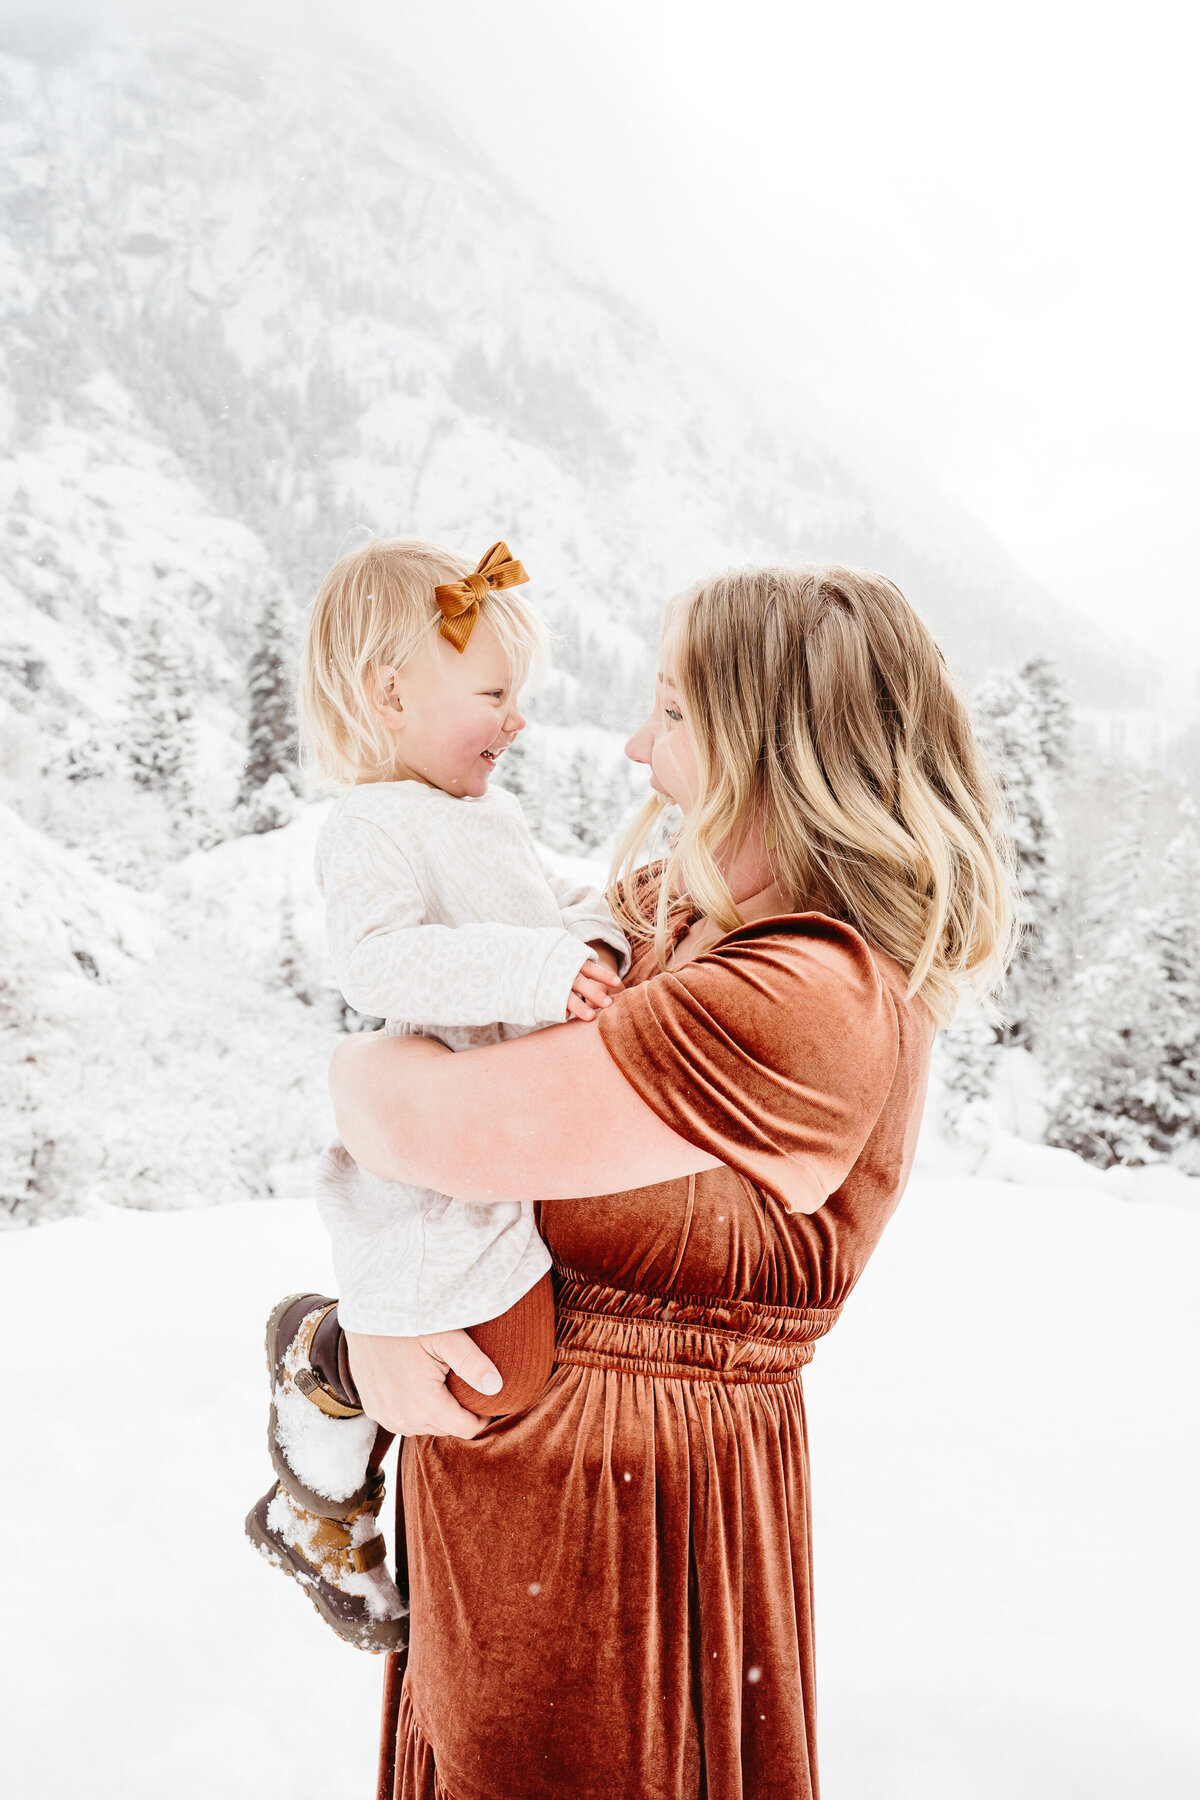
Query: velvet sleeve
{"x": 774, "y": 1051}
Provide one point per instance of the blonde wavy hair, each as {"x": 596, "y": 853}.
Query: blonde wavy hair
{"x": 820, "y": 706}
{"x": 374, "y": 610}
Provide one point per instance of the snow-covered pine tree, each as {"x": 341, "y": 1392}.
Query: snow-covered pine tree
{"x": 19, "y": 1138}
{"x": 38, "y": 1138}
{"x": 613, "y": 686}
{"x": 1025, "y": 721}
{"x": 271, "y": 730}
{"x": 554, "y": 801}
{"x": 618, "y": 799}
{"x": 83, "y": 756}
{"x": 1175, "y": 937}
{"x": 1125, "y": 1052}
{"x": 517, "y": 773}
{"x": 967, "y": 1056}
{"x": 586, "y": 802}
{"x": 160, "y": 739}
{"x": 1051, "y": 710}
{"x": 293, "y": 964}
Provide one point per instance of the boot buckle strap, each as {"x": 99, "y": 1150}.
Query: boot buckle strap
{"x": 321, "y": 1398}
{"x": 356, "y": 1559}
{"x": 367, "y": 1556}
{"x": 304, "y": 1378}
{"x": 330, "y": 1544}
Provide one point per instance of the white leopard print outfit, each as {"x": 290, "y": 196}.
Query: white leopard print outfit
{"x": 441, "y": 920}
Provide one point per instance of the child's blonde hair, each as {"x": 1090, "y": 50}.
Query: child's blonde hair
{"x": 374, "y": 610}
{"x": 821, "y": 708}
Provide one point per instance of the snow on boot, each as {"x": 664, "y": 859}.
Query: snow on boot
{"x": 318, "y": 1436}
{"x": 338, "y": 1562}
{"x": 318, "y": 1523}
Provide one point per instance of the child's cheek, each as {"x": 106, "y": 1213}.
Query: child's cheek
{"x": 470, "y": 738}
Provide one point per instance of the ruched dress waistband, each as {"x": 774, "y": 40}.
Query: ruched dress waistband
{"x": 692, "y": 1337}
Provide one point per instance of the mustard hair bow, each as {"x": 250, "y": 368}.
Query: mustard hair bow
{"x": 459, "y": 600}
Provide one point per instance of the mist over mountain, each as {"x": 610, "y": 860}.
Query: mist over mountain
{"x": 251, "y": 302}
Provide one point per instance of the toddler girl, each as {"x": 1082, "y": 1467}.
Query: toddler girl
{"x": 441, "y": 921}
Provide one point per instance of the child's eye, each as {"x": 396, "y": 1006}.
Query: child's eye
{"x": 672, "y": 714}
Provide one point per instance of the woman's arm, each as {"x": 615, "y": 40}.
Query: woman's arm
{"x": 545, "y": 1117}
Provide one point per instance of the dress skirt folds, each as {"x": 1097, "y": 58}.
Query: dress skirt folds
{"x": 611, "y": 1592}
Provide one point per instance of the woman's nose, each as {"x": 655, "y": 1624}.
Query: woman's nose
{"x": 639, "y": 746}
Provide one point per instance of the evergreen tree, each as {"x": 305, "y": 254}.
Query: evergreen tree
{"x": 293, "y": 964}
{"x": 19, "y": 1137}
{"x": 84, "y": 756}
{"x": 517, "y": 774}
{"x": 1175, "y": 936}
{"x": 1051, "y": 710}
{"x": 161, "y": 737}
{"x": 1025, "y": 722}
{"x": 1126, "y": 1051}
{"x": 553, "y": 804}
{"x": 967, "y": 1056}
{"x": 271, "y": 734}
{"x": 619, "y": 799}
{"x": 585, "y": 803}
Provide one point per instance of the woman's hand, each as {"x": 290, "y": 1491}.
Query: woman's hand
{"x": 401, "y": 1382}
{"x": 595, "y": 985}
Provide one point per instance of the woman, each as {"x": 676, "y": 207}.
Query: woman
{"x": 611, "y": 1591}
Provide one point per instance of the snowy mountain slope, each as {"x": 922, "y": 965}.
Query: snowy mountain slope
{"x": 251, "y": 302}
{"x": 1007, "y": 1574}
{"x": 104, "y": 527}
{"x": 171, "y": 1049}
{"x": 248, "y": 302}
{"x": 160, "y": 1051}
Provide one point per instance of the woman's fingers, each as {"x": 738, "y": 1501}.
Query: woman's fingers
{"x": 401, "y": 1383}
{"x": 444, "y": 1417}
{"x": 459, "y": 1351}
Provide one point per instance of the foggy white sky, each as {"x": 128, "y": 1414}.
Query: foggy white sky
{"x": 971, "y": 231}
{"x": 975, "y": 227}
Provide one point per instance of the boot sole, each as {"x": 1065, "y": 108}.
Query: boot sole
{"x": 309, "y": 1586}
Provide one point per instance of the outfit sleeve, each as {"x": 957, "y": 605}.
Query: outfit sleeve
{"x": 774, "y": 1052}
{"x": 389, "y": 963}
{"x": 584, "y": 913}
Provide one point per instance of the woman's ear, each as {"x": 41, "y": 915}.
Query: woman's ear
{"x": 387, "y": 701}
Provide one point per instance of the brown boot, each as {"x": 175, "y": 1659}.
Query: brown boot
{"x": 319, "y": 1439}
{"x": 339, "y": 1563}
{"x": 318, "y": 1523}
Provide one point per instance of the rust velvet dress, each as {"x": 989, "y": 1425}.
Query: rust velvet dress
{"x": 611, "y": 1591}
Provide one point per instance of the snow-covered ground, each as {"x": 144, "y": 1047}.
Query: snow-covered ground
{"x": 1008, "y": 1576}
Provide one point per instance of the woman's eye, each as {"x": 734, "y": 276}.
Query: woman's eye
{"x": 672, "y": 714}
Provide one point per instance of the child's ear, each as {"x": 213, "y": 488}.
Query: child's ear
{"x": 387, "y": 701}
